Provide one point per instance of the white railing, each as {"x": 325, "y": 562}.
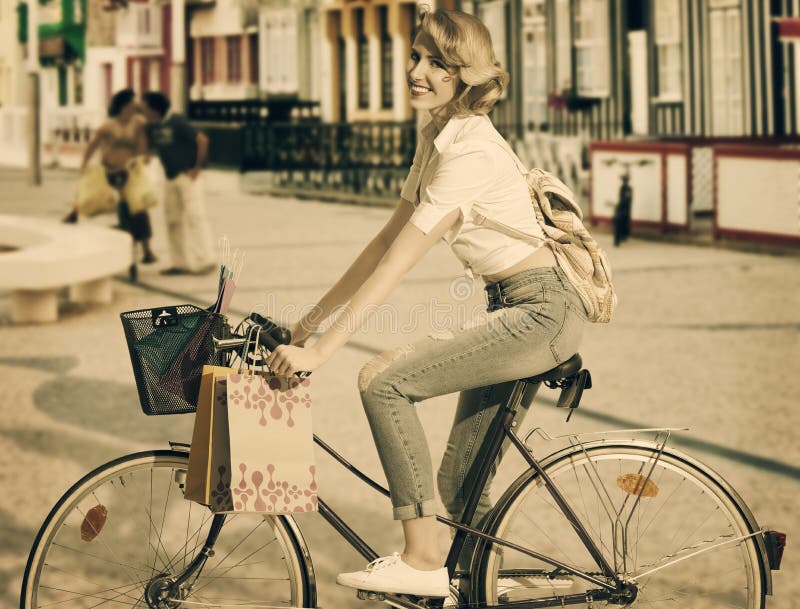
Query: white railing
{"x": 65, "y": 133}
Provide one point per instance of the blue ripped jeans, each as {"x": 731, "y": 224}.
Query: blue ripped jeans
{"x": 538, "y": 324}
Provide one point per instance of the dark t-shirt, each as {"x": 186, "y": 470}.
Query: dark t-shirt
{"x": 175, "y": 141}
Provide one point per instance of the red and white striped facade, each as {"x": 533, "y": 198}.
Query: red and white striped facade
{"x": 223, "y": 52}
{"x": 144, "y": 36}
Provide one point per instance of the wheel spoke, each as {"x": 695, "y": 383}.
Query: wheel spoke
{"x": 118, "y": 589}
{"x": 100, "y": 559}
{"x": 103, "y": 542}
{"x": 86, "y": 595}
{"x": 209, "y": 579}
{"x": 147, "y": 522}
{"x": 685, "y": 544}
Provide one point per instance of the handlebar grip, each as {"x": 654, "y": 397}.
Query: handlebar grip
{"x": 266, "y": 339}
{"x": 278, "y": 334}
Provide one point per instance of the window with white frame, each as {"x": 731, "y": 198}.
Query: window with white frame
{"x": 592, "y": 48}
{"x": 727, "y": 90}
{"x": 669, "y": 49}
{"x": 534, "y": 62}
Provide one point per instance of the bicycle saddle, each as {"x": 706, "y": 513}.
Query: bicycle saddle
{"x": 562, "y": 371}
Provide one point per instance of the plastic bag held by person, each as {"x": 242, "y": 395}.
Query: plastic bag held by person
{"x": 95, "y": 195}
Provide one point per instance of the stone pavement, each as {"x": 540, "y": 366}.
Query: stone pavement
{"x": 704, "y": 338}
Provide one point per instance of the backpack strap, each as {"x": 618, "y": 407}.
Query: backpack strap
{"x": 544, "y": 185}
{"x": 506, "y": 229}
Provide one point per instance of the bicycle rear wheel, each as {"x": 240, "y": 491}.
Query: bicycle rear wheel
{"x": 125, "y": 530}
{"x": 658, "y": 518}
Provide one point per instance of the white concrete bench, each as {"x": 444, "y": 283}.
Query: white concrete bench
{"x": 40, "y": 257}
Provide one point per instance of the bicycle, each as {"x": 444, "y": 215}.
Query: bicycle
{"x": 611, "y": 522}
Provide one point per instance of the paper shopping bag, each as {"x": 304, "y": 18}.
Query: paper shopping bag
{"x": 270, "y": 465}
{"x": 198, "y": 476}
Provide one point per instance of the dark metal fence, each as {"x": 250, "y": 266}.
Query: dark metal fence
{"x": 364, "y": 162}
{"x": 277, "y": 110}
{"x": 225, "y": 144}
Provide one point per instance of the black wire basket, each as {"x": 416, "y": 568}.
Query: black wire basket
{"x": 168, "y": 347}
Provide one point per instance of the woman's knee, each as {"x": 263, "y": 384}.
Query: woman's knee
{"x": 367, "y": 376}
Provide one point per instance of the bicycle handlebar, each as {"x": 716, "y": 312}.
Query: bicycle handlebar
{"x": 271, "y": 336}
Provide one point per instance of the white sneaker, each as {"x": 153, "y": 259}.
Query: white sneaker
{"x": 391, "y": 575}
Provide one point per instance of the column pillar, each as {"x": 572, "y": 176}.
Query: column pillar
{"x": 34, "y": 306}
{"x": 178, "y": 92}
{"x": 34, "y": 95}
{"x": 371, "y": 30}
{"x": 400, "y": 31}
{"x": 329, "y": 68}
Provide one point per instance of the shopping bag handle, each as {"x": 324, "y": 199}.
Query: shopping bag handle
{"x": 272, "y": 334}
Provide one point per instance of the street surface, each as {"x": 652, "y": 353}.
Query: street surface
{"x": 704, "y": 338}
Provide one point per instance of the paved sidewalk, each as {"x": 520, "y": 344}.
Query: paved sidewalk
{"x": 704, "y": 338}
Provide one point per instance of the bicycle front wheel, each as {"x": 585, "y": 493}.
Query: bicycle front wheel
{"x": 661, "y": 522}
{"x": 123, "y": 533}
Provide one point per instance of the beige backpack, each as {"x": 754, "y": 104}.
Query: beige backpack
{"x": 576, "y": 251}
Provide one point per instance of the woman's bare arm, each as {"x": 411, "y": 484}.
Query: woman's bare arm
{"x": 405, "y": 251}
{"x": 354, "y": 277}
{"x": 403, "y": 254}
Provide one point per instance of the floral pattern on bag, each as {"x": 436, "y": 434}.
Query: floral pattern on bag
{"x": 264, "y": 467}
{"x": 273, "y": 400}
{"x": 262, "y": 491}
{"x": 221, "y": 498}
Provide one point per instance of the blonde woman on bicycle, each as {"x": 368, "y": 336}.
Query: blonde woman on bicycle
{"x": 534, "y": 322}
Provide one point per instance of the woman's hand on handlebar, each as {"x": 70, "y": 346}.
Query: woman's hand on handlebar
{"x": 285, "y": 360}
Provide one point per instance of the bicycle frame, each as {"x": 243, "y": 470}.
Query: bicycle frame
{"x": 502, "y": 429}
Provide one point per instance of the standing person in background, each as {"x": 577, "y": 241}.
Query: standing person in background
{"x": 182, "y": 151}
{"x": 120, "y": 139}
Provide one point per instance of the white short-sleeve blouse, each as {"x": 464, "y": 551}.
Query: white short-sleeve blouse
{"x": 466, "y": 166}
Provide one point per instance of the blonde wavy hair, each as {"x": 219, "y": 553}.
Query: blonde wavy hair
{"x": 466, "y": 48}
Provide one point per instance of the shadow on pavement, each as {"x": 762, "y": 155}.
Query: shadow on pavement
{"x": 56, "y": 365}
{"x": 17, "y": 540}
{"x": 108, "y": 407}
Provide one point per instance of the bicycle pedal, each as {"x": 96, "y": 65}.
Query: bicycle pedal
{"x": 369, "y": 595}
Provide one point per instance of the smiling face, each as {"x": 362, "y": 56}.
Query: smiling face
{"x": 431, "y": 84}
